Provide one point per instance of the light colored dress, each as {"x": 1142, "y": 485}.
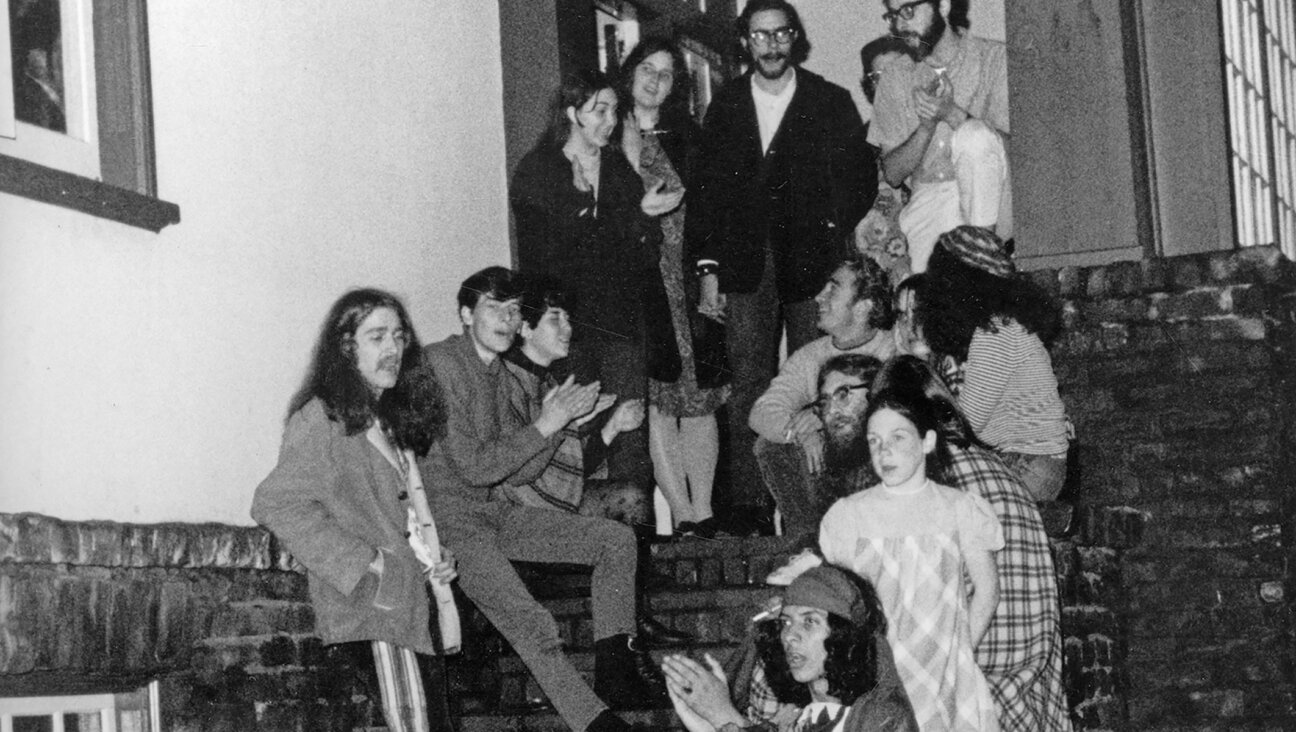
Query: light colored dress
{"x": 910, "y": 546}
{"x": 683, "y": 398}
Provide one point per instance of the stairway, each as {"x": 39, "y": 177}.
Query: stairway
{"x": 263, "y": 668}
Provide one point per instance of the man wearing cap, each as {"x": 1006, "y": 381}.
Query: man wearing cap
{"x": 826, "y": 654}
{"x": 941, "y": 120}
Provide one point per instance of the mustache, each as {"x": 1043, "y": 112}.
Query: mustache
{"x": 389, "y": 362}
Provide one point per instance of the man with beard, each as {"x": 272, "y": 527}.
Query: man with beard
{"x": 783, "y": 176}
{"x": 941, "y": 120}
{"x": 854, "y": 309}
{"x": 345, "y": 499}
{"x": 1021, "y": 652}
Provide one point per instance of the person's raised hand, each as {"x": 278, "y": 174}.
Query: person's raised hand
{"x": 704, "y": 691}
{"x": 564, "y": 403}
{"x": 657, "y": 200}
{"x": 600, "y": 405}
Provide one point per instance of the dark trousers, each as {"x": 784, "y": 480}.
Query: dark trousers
{"x": 755, "y": 325}
{"x": 621, "y": 369}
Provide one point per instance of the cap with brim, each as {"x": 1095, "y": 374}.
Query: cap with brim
{"x": 979, "y": 247}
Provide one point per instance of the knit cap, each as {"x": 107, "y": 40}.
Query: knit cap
{"x": 978, "y": 247}
{"x": 829, "y": 589}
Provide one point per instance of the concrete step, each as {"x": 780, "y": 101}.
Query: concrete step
{"x": 710, "y": 615}
{"x": 519, "y": 688}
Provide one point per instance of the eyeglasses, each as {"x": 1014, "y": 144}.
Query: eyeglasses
{"x": 905, "y": 11}
{"x": 781, "y": 36}
{"x": 839, "y": 398}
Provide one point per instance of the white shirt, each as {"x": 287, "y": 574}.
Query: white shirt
{"x": 770, "y": 108}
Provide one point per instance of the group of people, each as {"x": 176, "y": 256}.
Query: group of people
{"x": 904, "y": 441}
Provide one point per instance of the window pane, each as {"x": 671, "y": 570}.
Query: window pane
{"x": 36, "y": 36}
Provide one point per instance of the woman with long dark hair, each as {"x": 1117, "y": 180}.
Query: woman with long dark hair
{"x": 975, "y": 308}
{"x": 584, "y": 218}
{"x": 825, "y": 653}
{"x": 658, "y": 137}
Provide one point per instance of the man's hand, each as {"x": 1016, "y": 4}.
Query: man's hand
{"x": 711, "y": 302}
{"x": 564, "y": 403}
{"x": 658, "y": 200}
{"x": 935, "y": 103}
{"x": 802, "y": 423}
{"x": 813, "y": 447}
{"x": 446, "y": 570}
{"x": 628, "y": 416}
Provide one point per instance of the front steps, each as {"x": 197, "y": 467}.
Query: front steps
{"x": 263, "y": 652}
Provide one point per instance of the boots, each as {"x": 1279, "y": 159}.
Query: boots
{"x": 625, "y": 677}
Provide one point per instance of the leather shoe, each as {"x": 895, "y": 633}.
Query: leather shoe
{"x": 655, "y": 635}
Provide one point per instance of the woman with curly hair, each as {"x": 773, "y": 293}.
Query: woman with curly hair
{"x": 997, "y": 325}
{"x": 825, "y": 653}
{"x": 659, "y": 139}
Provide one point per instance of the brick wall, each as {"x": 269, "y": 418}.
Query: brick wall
{"x": 1178, "y": 375}
{"x": 215, "y": 612}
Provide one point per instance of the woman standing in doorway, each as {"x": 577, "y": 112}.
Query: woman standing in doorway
{"x": 683, "y": 439}
{"x": 583, "y": 218}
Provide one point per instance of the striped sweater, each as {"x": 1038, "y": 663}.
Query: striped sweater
{"x": 1010, "y": 394}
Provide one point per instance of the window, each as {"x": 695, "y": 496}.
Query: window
{"x": 1260, "y": 75}
{"x": 131, "y": 711}
{"x": 76, "y": 111}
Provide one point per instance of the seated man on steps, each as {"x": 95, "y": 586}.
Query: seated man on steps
{"x": 489, "y": 448}
{"x": 541, "y": 352}
{"x": 855, "y": 314}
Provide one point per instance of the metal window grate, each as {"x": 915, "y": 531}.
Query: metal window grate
{"x": 1260, "y": 74}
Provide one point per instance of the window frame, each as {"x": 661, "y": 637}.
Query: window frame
{"x": 127, "y": 191}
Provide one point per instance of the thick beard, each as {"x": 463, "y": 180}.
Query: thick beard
{"x": 928, "y": 40}
{"x": 846, "y": 461}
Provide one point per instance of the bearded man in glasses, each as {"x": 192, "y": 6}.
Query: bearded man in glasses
{"x": 855, "y": 313}
{"x": 941, "y": 121}
{"x": 783, "y": 176}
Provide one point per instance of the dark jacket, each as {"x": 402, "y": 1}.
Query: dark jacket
{"x": 802, "y": 198}
{"x": 333, "y": 499}
{"x": 608, "y": 260}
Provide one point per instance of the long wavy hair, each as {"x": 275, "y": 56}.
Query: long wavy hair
{"x": 851, "y": 663}
{"x": 576, "y": 88}
{"x": 924, "y": 415}
{"x": 958, "y": 298}
{"x": 412, "y": 409}
{"x": 675, "y": 110}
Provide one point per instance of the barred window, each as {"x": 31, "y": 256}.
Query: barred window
{"x": 1260, "y": 74}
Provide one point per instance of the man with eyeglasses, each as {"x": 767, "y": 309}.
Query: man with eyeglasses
{"x": 783, "y": 176}
{"x": 855, "y": 313}
{"x": 492, "y": 445}
{"x": 941, "y": 121}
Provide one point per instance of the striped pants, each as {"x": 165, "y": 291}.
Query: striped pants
{"x": 404, "y": 699}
